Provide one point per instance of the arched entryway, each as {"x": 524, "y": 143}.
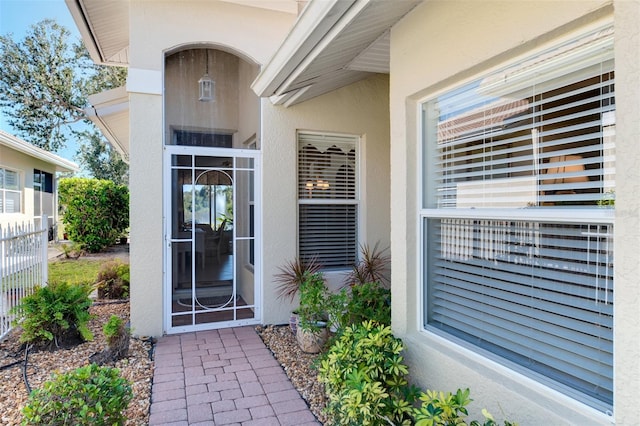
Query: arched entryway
{"x": 212, "y": 160}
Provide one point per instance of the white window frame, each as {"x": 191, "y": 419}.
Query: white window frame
{"x": 356, "y": 201}
{"x": 603, "y": 216}
{"x": 4, "y": 191}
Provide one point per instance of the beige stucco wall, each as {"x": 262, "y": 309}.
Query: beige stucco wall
{"x": 156, "y": 28}
{"x": 440, "y": 44}
{"x": 627, "y": 231}
{"x": 359, "y": 109}
{"x": 24, "y": 165}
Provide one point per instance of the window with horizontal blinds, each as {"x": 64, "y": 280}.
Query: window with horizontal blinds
{"x": 538, "y": 294}
{"x": 10, "y": 192}
{"x": 535, "y": 137}
{"x": 328, "y": 198}
{"x": 550, "y": 144}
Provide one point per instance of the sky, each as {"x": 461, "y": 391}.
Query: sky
{"x": 16, "y": 16}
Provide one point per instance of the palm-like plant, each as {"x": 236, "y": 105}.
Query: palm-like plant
{"x": 293, "y": 274}
{"x": 373, "y": 266}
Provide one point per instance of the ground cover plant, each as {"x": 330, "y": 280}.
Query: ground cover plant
{"x": 89, "y": 395}
{"x": 55, "y": 315}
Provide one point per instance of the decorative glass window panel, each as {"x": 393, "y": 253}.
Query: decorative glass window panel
{"x": 518, "y": 184}
{"x": 328, "y": 199}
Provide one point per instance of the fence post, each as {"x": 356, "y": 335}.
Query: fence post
{"x": 45, "y": 252}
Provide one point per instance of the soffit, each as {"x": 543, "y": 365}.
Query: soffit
{"x": 104, "y": 26}
{"x": 109, "y": 111}
{"x": 346, "y": 48}
{"x": 288, "y": 6}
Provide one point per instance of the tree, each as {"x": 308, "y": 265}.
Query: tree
{"x": 101, "y": 160}
{"x": 44, "y": 83}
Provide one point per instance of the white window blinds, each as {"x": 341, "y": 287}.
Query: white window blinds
{"x": 500, "y": 144}
{"x": 502, "y": 155}
{"x": 538, "y": 294}
{"x": 328, "y": 198}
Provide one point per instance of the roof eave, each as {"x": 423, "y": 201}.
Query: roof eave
{"x": 310, "y": 28}
{"x": 17, "y": 144}
{"x": 103, "y": 106}
{"x": 89, "y": 38}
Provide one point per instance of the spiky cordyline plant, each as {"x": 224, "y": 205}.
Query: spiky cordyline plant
{"x": 292, "y": 275}
{"x": 373, "y": 266}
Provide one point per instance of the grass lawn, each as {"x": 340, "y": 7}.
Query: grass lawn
{"x": 74, "y": 271}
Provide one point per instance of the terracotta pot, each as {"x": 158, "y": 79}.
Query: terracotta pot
{"x": 312, "y": 342}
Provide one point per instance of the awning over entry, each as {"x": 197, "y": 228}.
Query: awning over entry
{"x": 333, "y": 43}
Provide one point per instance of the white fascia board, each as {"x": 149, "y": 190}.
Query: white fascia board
{"x": 107, "y": 133}
{"x": 144, "y": 81}
{"x": 110, "y": 101}
{"x": 312, "y": 25}
{"x": 88, "y": 37}
{"x": 345, "y": 20}
{"x": 103, "y": 105}
{"x": 17, "y": 144}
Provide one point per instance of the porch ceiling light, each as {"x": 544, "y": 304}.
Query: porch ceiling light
{"x": 206, "y": 83}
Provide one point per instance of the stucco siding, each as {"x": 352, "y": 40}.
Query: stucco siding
{"x": 359, "y": 109}
{"x": 627, "y": 236}
{"x": 24, "y": 165}
{"x": 155, "y": 29}
{"x": 161, "y": 25}
{"x": 459, "y": 40}
{"x": 147, "y": 243}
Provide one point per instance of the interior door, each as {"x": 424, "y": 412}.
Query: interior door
{"x": 211, "y": 242}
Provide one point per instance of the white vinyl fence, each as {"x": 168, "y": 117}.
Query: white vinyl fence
{"x": 23, "y": 266}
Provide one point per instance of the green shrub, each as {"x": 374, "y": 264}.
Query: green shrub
{"x": 89, "y": 395}
{"x": 117, "y": 334}
{"x": 365, "y": 378}
{"x": 366, "y": 384}
{"x": 368, "y": 301}
{"x": 113, "y": 280}
{"x": 96, "y": 212}
{"x": 55, "y": 314}
{"x": 314, "y": 297}
{"x": 113, "y": 329}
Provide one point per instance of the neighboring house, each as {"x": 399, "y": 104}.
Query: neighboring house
{"x": 28, "y": 183}
{"x": 480, "y": 139}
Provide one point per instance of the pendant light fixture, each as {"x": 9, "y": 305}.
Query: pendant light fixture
{"x": 206, "y": 84}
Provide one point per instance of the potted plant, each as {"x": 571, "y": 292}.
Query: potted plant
{"x": 290, "y": 279}
{"x": 312, "y": 332}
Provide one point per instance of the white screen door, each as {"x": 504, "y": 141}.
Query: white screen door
{"x": 210, "y": 268}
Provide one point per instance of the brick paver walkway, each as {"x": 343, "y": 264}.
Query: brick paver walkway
{"x": 222, "y": 377}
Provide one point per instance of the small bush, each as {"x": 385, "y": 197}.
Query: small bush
{"x": 368, "y": 301}
{"x": 89, "y": 395}
{"x": 96, "y": 212}
{"x": 117, "y": 334}
{"x": 314, "y": 297}
{"x": 366, "y": 382}
{"x": 365, "y": 378}
{"x": 55, "y": 314}
{"x": 113, "y": 280}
